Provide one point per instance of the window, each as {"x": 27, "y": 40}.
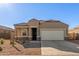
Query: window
{"x": 24, "y": 32}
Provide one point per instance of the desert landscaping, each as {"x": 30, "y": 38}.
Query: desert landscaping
{"x": 34, "y": 48}
{"x": 17, "y": 49}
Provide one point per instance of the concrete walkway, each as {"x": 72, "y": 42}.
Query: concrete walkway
{"x": 59, "y": 48}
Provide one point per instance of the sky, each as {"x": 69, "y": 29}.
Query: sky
{"x": 11, "y": 14}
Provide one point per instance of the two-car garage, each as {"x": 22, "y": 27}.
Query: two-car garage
{"x": 52, "y": 34}
{"x": 53, "y": 30}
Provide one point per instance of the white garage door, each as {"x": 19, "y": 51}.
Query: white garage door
{"x": 52, "y": 35}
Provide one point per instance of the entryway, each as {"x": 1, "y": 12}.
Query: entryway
{"x": 34, "y": 34}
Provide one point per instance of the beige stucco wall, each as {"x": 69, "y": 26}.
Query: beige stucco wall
{"x": 19, "y": 31}
{"x": 74, "y": 34}
{"x": 73, "y": 31}
{"x": 16, "y": 27}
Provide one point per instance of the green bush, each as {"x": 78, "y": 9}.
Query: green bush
{"x": 1, "y": 41}
{"x": 12, "y": 43}
{"x": 1, "y": 49}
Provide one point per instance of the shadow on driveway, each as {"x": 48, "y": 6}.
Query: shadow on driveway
{"x": 61, "y": 45}
{"x": 32, "y": 44}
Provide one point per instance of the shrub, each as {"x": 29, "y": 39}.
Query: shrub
{"x": 1, "y": 49}
{"x": 1, "y": 41}
{"x": 12, "y": 43}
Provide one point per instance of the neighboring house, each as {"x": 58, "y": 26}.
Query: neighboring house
{"x": 74, "y": 33}
{"x": 5, "y": 32}
{"x": 41, "y": 30}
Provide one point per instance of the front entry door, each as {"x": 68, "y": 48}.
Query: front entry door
{"x": 34, "y": 33}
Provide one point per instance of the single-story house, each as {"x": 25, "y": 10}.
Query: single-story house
{"x": 74, "y": 33}
{"x": 5, "y": 32}
{"x": 41, "y": 30}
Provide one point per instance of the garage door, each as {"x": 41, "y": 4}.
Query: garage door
{"x": 52, "y": 35}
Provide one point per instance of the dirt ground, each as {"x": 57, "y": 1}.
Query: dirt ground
{"x": 18, "y": 49}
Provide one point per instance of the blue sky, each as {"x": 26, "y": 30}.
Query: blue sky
{"x": 16, "y": 13}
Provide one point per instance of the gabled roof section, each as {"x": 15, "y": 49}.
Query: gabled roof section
{"x": 33, "y": 19}
{"x": 63, "y": 23}
{"x": 55, "y": 21}
{"x": 21, "y": 24}
{"x": 41, "y": 21}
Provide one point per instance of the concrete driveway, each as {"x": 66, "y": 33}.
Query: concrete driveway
{"x": 59, "y": 48}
